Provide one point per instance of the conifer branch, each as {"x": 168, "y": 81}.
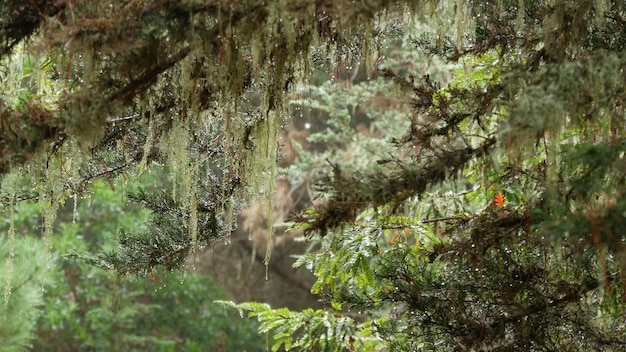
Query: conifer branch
{"x": 374, "y": 190}
{"x": 149, "y": 77}
{"x": 447, "y": 218}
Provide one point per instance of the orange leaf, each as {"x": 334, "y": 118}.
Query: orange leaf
{"x": 499, "y": 199}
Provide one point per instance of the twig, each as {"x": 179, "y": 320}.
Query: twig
{"x": 124, "y": 118}
{"x": 427, "y": 221}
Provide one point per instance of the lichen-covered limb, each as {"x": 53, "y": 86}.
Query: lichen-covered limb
{"x": 352, "y": 194}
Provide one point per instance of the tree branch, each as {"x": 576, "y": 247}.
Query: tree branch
{"x": 148, "y": 77}
{"x": 351, "y": 195}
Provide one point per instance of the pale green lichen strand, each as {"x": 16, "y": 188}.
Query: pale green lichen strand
{"x": 175, "y": 145}
{"x": 11, "y": 238}
{"x": 50, "y": 196}
{"x": 184, "y": 170}
{"x": 147, "y": 147}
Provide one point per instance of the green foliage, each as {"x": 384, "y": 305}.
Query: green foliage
{"x": 311, "y": 330}
{"x": 166, "y": 241}
{"x": 76, "y": 305}
{"x": 21, "y": 306}
{"x": 199, "y": 322}
{"x": 346, "y": 266}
